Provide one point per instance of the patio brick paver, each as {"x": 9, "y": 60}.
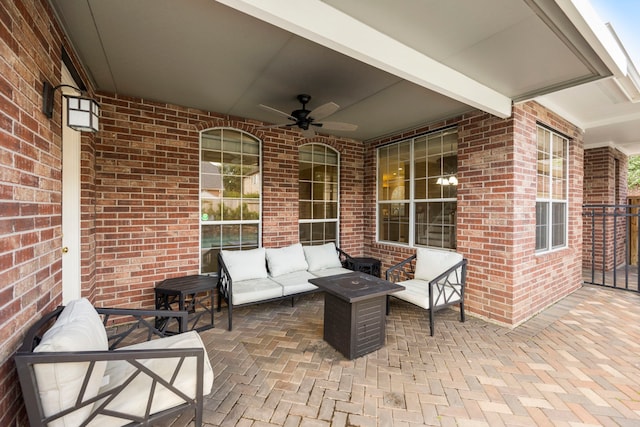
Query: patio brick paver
{"x": 575, "y": 364}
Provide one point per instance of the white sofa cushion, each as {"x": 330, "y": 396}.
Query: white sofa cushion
{"x": 133, "y": 398}
{"x": 293, "y": 283}
{"x": 245, "y": 265}
{"x": 322, "y": 256}
{"x": 286, "y": 260}
{"x": 430, "y": 263}
{"x": 255, "y": 290}
{"x": 325, "y": 272}
{"x": 78, "y": 328}
{"x": 416, "y": 291}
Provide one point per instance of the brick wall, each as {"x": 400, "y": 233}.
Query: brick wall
{"x": 30, "y": 184}
{"x": 508, "y": 282}
{"x": 147, "y": 190}
{"x": 605, "y": 183}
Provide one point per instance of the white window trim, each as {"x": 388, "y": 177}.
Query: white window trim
{"x": 337, "y": 220}
{"x": 550, "y": 200}
{"x": 235, "y": 222}
{"x": 411, "y": 201}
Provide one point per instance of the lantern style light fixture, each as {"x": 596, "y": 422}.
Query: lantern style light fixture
{"x": 82, "y": 112}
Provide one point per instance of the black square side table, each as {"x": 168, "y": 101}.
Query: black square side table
{"x": 193, "y": 294}
{"x": 363, "y": 264}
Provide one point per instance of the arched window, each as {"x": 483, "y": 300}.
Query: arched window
{"x": 318, "y": 194}
{"x": 230, "y": 193}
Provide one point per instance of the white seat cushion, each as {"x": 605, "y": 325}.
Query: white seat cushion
{"x": 133, "y": 398}
{"x": 254, "y": 290}
{"x": 295, "y": 282}
{"x": 430, "y": 263}
{"x": 330, "y": 271}
{"x": 286, "y": 260}
{"x": 245, "y": 265}
{"x": 417, "y": 292}
{"x": 322, "y": 256}
{"x": 78, "y": 328}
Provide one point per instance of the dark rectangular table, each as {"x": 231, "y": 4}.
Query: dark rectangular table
{"x": 188, "y": 293}
{"x": 355, "y": 311}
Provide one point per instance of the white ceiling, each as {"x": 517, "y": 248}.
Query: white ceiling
{"x": 390, "y": 66}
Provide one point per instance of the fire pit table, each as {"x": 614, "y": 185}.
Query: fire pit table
{"x": 354, "y": 311}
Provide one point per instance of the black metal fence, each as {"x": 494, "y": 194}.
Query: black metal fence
{"x": 611, "y": 238}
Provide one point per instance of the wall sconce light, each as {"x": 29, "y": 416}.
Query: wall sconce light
{"x": 82, "y": 112}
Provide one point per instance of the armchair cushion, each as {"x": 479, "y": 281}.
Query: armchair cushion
{"x": 286, "y": 260}
{"x": 134, "y": 396}
{"x": 430, "y": 263}
{"x": 78, "y": 328}
{"x": 416, "y": 292}
{"x": 245, "y": 265}
{"x": 322, "y": 256}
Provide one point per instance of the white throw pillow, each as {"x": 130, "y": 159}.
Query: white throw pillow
{"x": 286, "y": 260}
{"x": 78, "y": 328}
{"x": 322, "y": 256}
{"x": 245, "y": 265}
{"x": 430, "y": 263}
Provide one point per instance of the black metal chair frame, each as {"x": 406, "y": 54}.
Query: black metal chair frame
{"x": 26, "y": 359}
{"x": 455, "y": 275}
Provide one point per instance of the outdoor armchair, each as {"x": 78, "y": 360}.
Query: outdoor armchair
{"x": 433, "y": 279}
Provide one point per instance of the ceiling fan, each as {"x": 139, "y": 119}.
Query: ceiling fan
{"x": 306, "y": 120}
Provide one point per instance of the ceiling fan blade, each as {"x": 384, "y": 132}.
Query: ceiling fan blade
{"x": 338, "y": 126}
{"x": 275, "y": 110}
{"x": 273, "y": 126}
{"x": 325, "y": 110}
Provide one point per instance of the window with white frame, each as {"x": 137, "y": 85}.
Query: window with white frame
{"x": 230, "y": 193}
{"x": 318, "y": 194}
{"x": 417, "y": 190}
{"x": 552, "y": 190}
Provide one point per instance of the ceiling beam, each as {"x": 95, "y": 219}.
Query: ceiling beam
{"x": 329, "y": 27}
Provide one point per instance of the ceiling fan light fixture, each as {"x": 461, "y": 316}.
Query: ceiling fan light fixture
{"x": 304, "y": 118}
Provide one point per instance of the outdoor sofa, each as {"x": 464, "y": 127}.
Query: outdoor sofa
{"x": 433, "y": 279}
{"x": 269, "y": 274}
{"x": 71, "y": 373}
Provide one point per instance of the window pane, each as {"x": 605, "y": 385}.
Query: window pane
{"x": 435, "y": 224}
{"x": 394, "y": 222}
{"x": 250, "y": 210}
{"x": 330, "y": 231}
{"x": 304, "y": 190}
{"x": 542, "y": 225}
{"x": 305, "y": 210}
{"x": 558, "y": 231}
{"x": 249, "y": 234}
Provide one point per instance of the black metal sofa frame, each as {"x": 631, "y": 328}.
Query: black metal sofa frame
{"x": 225, "y": 287}
{"x": 124, "y": 333}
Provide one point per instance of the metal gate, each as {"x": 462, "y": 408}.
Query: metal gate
{"x": 611, "y": 238}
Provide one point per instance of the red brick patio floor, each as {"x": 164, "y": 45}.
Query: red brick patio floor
{"x": 575, "y": 364}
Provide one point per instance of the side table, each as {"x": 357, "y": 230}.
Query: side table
{"x": 354, "y": 311}
{"x": 363, "y": 264}
{"x": 188, "y": 293}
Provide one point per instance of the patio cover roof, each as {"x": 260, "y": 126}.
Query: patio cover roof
{"x": 391, "y": 66}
